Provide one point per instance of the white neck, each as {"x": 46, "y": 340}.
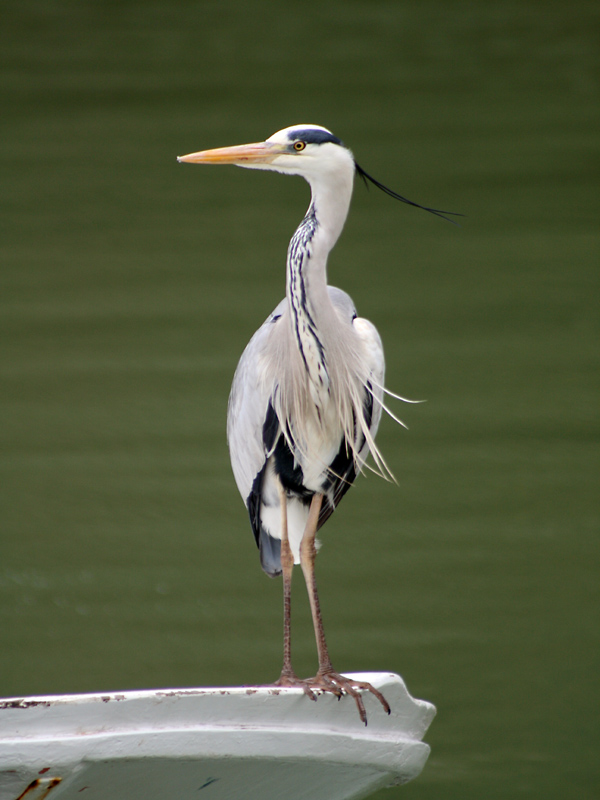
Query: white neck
{"x": 310, "y": 306}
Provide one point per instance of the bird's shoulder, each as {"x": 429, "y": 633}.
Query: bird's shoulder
{"x": 365, "y": 330}
{"x": 371, "y": 340}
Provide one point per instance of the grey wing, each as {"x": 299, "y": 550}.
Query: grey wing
{"x": 344, "y": 468}
{"x": 376, "y": 380}
{"x": 373, "y": 360}
{"x": 252, "y": 429}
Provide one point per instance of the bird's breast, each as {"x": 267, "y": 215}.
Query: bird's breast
{"x": 318, "y": 443}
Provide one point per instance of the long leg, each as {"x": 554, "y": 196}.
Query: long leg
{"x": 287, "y": 565}
{"x": 308, "y": 553}
{"x": 288, "y": 677}
{"x": 326, "y": 678}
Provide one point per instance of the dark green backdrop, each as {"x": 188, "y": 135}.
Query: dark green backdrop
{"x": 130, "y": 285}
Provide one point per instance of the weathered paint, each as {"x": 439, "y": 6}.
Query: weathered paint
{"x": 250, "y": 742}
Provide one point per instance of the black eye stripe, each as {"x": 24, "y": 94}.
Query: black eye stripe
{"x": 310, "y": 136}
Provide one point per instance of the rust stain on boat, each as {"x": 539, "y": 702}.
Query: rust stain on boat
{"x": 44, "y": 785}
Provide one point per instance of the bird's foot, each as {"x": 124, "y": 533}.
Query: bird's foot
{"x": 289, "y": 678}
{"x": 339, "y": 685}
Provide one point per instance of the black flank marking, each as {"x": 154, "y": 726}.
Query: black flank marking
{"x": 367, "y": 408}
{"x": 254, "y": 499}
{"x": 343, "y": 469}
{"x": 270, "y": 428}
{"x": 269, "y": 547}
{"x": 341, "y": 478}
{"x": 289, "y": 473}
{"x": 253, "y": 504}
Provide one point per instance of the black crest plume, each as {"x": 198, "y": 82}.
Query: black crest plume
{"x": 366, "y": 178}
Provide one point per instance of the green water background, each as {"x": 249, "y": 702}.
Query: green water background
{"x": 130, "y": 285}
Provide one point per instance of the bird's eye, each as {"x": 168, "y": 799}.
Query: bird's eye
{"x": 299, "y": 146}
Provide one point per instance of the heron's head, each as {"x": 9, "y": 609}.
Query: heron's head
{"x": 307, "y": 150}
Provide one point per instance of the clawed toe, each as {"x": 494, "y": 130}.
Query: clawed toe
{"x": 340, "y": 685}
{"x": 335, "y": 684}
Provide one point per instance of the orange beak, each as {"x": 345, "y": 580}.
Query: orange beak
{"x": 256, "y": 153}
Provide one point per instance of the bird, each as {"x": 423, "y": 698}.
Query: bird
{"x": 308, "y": 392}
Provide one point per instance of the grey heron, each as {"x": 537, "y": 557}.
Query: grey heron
{"x": 307, "y": 395}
